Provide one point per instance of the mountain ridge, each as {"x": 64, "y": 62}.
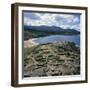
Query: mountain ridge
{"x": 47, "y": 28}
{"x": 41, "y": 31}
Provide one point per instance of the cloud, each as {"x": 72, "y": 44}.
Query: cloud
{"x": 71, "y": 21}
{"x": 31, "y": 16}
{"x": 67, "y": 19}
{"x": 76, "y": 26}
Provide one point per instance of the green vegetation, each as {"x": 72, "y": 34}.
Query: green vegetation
{"x": 30, "y": 33}
{"x": 34, "y": 34}
{"x": 52, "y": 59}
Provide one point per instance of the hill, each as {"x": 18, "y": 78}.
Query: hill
{"x": 52, "y": 59}
{"x": 40, "y": 31}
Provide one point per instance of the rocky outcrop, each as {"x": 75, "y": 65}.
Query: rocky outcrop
{"x": 52, "y": 59}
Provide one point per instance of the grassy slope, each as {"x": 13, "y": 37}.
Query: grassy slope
{"x": 52, "y": 60}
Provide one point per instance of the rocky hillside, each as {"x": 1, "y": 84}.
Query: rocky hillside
{"x": 52, "y": 59}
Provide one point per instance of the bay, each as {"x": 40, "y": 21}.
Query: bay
{"x": 57, "y": 38}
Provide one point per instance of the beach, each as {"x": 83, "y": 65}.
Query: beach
{"x": 30, "y": 43}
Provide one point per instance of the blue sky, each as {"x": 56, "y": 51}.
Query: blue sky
{"x": 65, "y": 21}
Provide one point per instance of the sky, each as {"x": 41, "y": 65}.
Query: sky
{"x": 65, "y": 21}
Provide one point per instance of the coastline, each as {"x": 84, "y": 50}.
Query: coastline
{"x": 50, "y": 39}
{"x": 30, "y": 43}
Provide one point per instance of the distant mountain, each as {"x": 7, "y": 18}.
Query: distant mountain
{"x": 44, "y": 28}
{"x": 51, "y": 29}
{"x": 40, "y": 31}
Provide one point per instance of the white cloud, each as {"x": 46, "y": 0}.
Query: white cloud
{"x": 61, "y": 20}
{"x": 77, "y": 27}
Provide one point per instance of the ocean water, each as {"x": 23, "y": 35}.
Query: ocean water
{"x": 58, "y": 38}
